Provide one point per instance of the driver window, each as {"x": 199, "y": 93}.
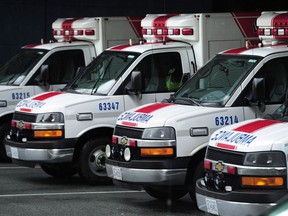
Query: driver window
{"x": 62, "y": 66}
{"x": 161, "y": 72}
{"x": 276, "y": 74}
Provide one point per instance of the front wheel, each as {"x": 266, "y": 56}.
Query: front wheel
{"x": 194, "y": 175}
{"x": 92, "y": 161}
{"x": 61, "y": 170}
{"x": 4, "y": 128}
{"x": 166, "y": 192}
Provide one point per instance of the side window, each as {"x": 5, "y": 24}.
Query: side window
{"x": 161, "y": 72}
{"x": 275, "y": 73}
{"x": 62, "y": 66}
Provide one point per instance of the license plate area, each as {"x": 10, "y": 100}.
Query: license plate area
{"x": 212, "y": 206}
{"x": 117, "y": 174}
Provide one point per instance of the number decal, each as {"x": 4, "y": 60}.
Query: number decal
{"x": 20, "y": 95}
{"x": 225, "y": 120}
{"x": 107, "y": 106}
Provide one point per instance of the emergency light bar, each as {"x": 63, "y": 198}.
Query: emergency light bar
{"x": 273, "y": 26}
{"x": 67, "y": 29}
{"x": 159, "y": 27}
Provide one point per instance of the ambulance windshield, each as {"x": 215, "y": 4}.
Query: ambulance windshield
{"x": 102, "y": 73}
{"x": 17, "y": 68}
{"x": 214, "y": 83}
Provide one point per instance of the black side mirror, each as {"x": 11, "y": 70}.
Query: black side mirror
{"x": 43, "y": 77}
{"x": 258, "y": 93}
{"x": 135, "y": 83}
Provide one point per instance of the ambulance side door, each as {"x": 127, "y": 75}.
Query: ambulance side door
{"x": 275, "y": 74}
{"x": 161, "y": 74}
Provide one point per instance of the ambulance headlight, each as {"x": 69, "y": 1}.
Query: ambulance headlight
{"x": 272, "y": 159}
{"x": 55, "y": 117}
{"x": 108, "y": 151}
{"x": 166, "y": 133}
{"x": 127, "y": 154}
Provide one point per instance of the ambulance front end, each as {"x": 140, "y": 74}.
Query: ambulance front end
{"x": 245, "y": 168}
{"x": 160, "y": 145}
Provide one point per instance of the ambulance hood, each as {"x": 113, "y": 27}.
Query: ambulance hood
{"x": 55, "y": 102}
{"x": 163, "y": 114}
{"x": 252, "y": 135}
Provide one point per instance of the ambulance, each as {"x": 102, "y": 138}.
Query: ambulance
{"x": 44, "y": 67}
{"x": 246, "y": 167}
{"x": 160, "y": 147}
{"x": 66, "y": 132}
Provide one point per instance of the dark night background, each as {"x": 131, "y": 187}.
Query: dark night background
{"x": 27, "y": 21}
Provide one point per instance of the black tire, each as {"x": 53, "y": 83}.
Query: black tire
{"x": 194, "y": 175}
{"x": 61, "y": 170}
{"x": 4, "y": 128}
{"x": 166, "y": 192}
{"x": 92, "y": 161}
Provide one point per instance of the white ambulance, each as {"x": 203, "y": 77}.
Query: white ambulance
{"x": 66, "y": 132}
{"x": 245, "y": 167}
{"x": 47, "y": 67}
{"x": 161, "y": 146}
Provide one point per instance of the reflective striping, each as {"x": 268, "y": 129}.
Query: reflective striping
{"x": 238, "y": 50}
{"x": 279, "y": 21}
{"x": 25, "y": 109}
{"x": 256, "y": 125}
{"x": 226, "y": 146}
{"x": 46, "y": 96}
{"x": 121, "y": 47}
{"x": 67, "y": 25}
{"x": 153, "y": 107}
{"x": 130, "y": 124}
{"x": 32, "y": 45}
{"x": 161, "y": 22}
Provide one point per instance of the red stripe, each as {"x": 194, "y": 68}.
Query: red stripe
{"x": 25, "y": 110}
{"x": 121, "y": 47}
{"x": 67, "y": 25}
{"x": 32, "y": 45}
{"x": 153, "y": 107}
{"x": 238, "y": 50}
{"x": 256, "y": 125}
{"x": 46, "y": 96}
{"x": 247, "y": 25}
{"x": 226, "y": 146}
{"x": 280, "y": 21}
{"x": 160, "y": 22}
{"x": 131, "y": 124}
{"x": 135, "y": 23}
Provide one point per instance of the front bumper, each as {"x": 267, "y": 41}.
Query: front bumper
{"x": 54, "y": 151}
{"x": 163, "y": 172}
{"x": 245, "y": 202}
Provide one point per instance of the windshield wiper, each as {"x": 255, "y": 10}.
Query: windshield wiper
{"x": 189, "y": 100}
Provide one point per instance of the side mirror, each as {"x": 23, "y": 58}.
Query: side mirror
{"x": 79, "y": 69}
{"x": 135, "y": 83}
{"x": 43, "y": 77}
{"x": 258, "y": 93}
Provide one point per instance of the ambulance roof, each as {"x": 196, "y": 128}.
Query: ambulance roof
{"x": 258, "y": 51}
{"x": 50, "y": 46}
{"x": 141, "y": 48}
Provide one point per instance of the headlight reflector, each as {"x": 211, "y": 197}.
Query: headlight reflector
{"x": 50, "y": 118}
{"x": 166, "y": 133}
{"x": 271, "y": 159}
{"x": 127, "y": 154}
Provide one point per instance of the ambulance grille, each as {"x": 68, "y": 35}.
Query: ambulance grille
{"x": 24, "y": 117}
{"x": 230, "y": 157}
{"x": 128, "y": 132}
